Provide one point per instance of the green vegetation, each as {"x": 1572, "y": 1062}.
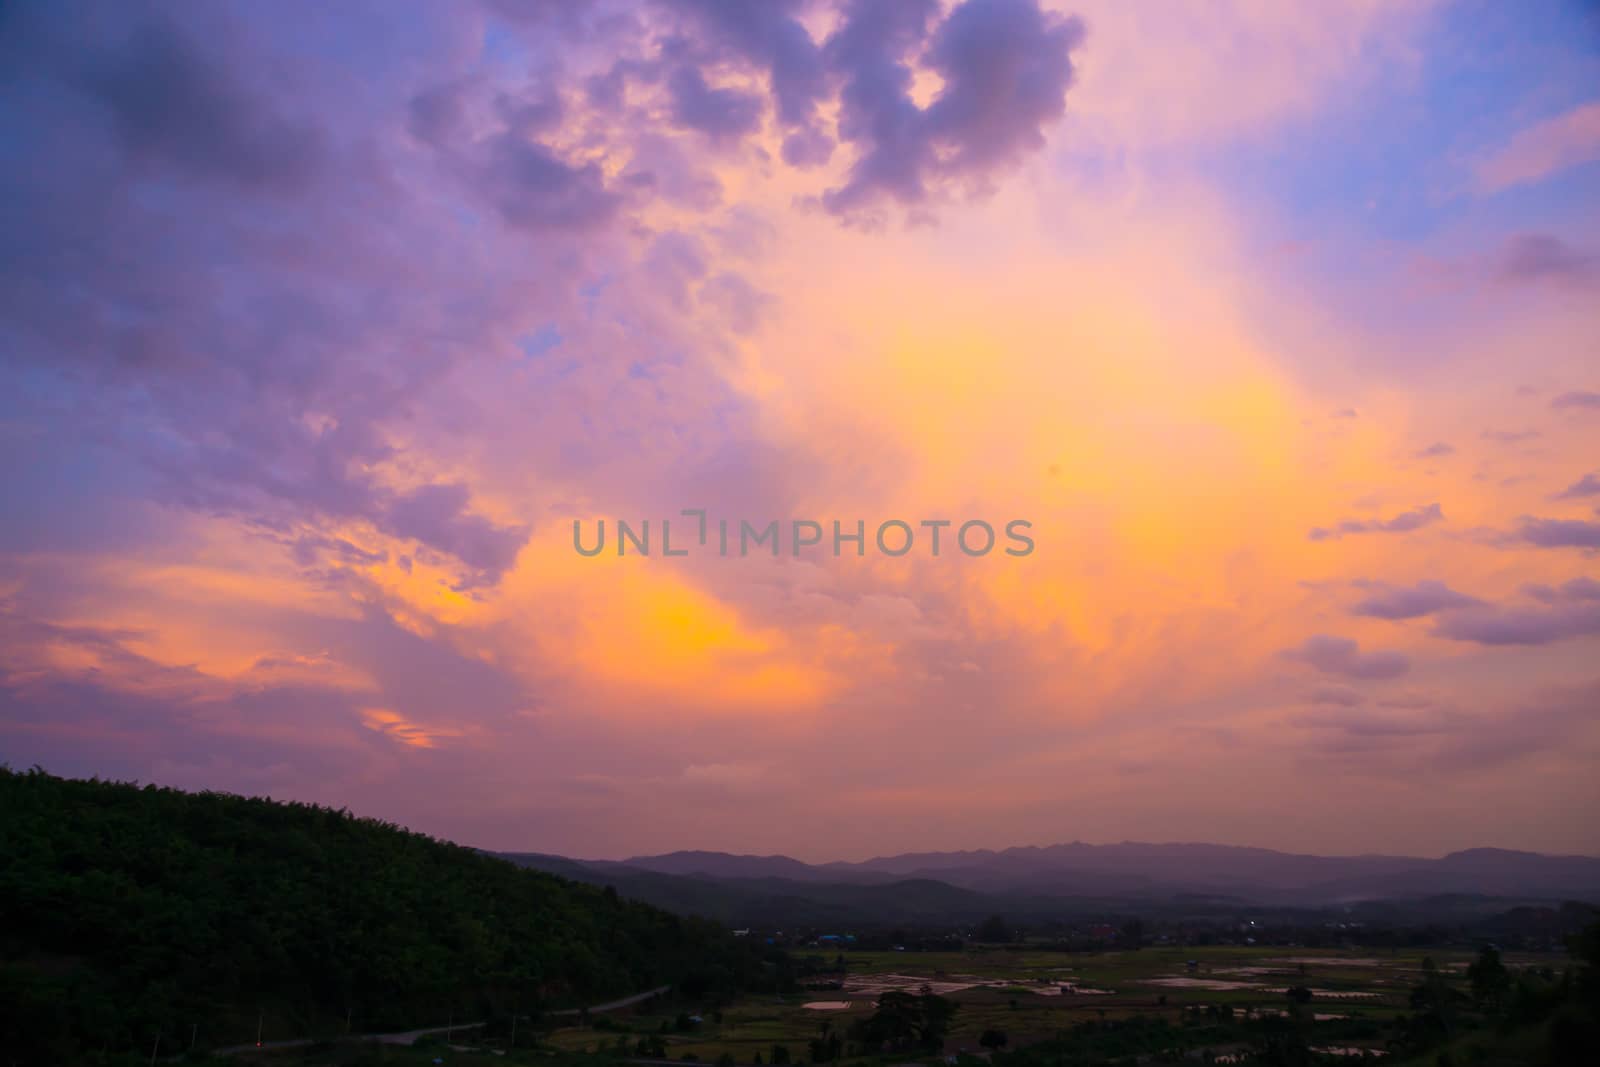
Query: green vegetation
{"x": 128, "y": 914}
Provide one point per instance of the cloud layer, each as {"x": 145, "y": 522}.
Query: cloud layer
{"x": 323, "y": 325}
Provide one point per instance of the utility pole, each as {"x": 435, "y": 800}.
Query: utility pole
{"x": 154, "y": 1050}
{"x": 194, "y": 1032}
{"x": 259, "y": 1017}
{"x": 449, "y": 1027}
{"x": 513, "y": 1030}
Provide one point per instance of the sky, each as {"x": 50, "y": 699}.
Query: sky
{"x": 321, "y": 326}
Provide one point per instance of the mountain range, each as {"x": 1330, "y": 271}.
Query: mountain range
{"x": 1061, "y": 881}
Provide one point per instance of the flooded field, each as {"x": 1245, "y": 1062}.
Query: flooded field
{"x": 1200, "y": 983}
{"x": 1034, "y": 995}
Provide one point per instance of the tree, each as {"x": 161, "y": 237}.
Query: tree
{"x": 905, "y": 1020}
{"x": 826, "y": 1050}
{"x": 780, "y": 1055}
{"x": 1433, "y": 1006}
{"x": 994, "y": 929}
{"x": 992, "y": 1039}
{"x": 1489, "y": 980}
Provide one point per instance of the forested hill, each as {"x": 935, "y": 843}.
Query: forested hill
{"x": 126, "y": 911}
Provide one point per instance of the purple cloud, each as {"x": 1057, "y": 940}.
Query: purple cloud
{"x": 1005, "y": 66}
{"x": 1551, "y": 720}
{"x": 1539, "y": 256}
{"x": 1524, "y": 626}
{"x": 771, "y": 37}
{"x": 436, "y": 114}
{"x": 723, "y": 115}
{"x": 1343, "y": 657}
{"x": 1570, "y": 610}
{"x": 535, "y": 189}
{"x": 1578, "y": 398}
{"x": 1424, "y": 598}
{"x": 1588, "y": 485}
{"x": 1559, "y": 533}
{"x": 1436, "y": 450}
{"x": 1578, "y": 590}
{"x": 1509, "y": 437}
{"x": 1337, "y": 695}
{"x": 1405, "y": 522}
{"x": 437, "y": 516}
{"x": 172, "y": 103}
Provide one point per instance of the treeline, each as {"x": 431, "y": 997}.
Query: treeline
{"x": 129, "y": 912}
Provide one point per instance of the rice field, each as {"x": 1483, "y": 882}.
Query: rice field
{"x": 1033, "y": 995}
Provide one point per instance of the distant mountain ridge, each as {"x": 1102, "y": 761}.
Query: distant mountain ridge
{"x": 1038, "y": 880}
{"x": 1190, "y": 867}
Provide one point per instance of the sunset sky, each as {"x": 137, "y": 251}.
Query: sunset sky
{"x": 320, "y": 324}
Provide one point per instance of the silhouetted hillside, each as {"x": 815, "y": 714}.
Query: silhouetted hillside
{"x": 127, "y": 912}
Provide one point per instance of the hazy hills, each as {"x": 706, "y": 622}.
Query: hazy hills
{"x": 1060, "y": 881}
{"x": 1181, "y": 868}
